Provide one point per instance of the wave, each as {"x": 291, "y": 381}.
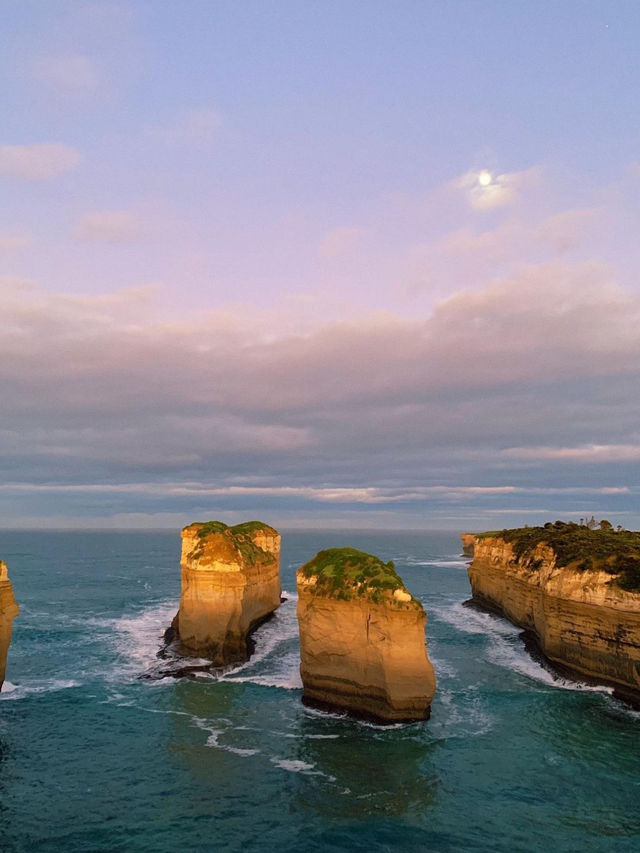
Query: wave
{"x": 505, "y": 648}
{"x": 12, "y": 692}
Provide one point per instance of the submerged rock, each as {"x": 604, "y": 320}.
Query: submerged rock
{"x": 362, "y": 639}
{"x": 575, "y": 590}
{"x": 230, "y": 583}
{"x": 8, "y": 612}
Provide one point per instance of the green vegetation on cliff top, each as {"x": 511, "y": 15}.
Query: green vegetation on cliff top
{"x": 581, "y": 546}
{"x": 241, "y": 536}
{"x": 347, "y": 572}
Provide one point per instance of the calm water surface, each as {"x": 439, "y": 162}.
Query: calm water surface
{"x": 94, "y": 758}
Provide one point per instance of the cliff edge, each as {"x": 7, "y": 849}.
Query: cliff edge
{"x": 8, "y": 612}
{"x": 467, "y": 543}
{"x": 576, "y": 589}
{"x": 230, "y": 583}
{"x": 362, "y": 639}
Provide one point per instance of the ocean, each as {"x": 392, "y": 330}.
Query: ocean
{"x": 97, "y": 753}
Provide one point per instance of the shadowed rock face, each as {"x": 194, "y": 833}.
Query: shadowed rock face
{"x": 582, "y": 620}
{"x": 8, "y": 612}
{"x": 230, "y": 579}
{"x": 362, "y": 639}
{"x": 467, "y": 543}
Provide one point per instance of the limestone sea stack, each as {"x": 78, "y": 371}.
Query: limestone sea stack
{"x": 8, "y": 612}
{"x": 576, "y": 591}
{"x": 230, "y": 579}
{"x": 362, "y": 639}
{"x": 467, "y": 543}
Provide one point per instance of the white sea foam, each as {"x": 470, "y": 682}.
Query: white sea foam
{"x": 276, "y": 664}
{"x": 293, "y": 765}
{"x": 19, "y": 691}
{"x": 504, "y": 647}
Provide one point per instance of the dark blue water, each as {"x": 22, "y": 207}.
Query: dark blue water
{"x": 93, "y": 758}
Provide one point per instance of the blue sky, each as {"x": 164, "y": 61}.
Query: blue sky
{"x": 327, "y": 263}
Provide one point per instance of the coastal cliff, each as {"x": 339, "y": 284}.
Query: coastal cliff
{"x": 230, "y": 583}
{"x": 467, "y": 543}
{"x": 8, "y": 612}
{"x": 362, "y": 639}
{"x": 576, "y": 590}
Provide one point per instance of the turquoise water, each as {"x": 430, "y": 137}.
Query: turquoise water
{"x": 94, "y": 758}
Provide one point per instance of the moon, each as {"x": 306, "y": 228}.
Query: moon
{"x": 485, "y": 178}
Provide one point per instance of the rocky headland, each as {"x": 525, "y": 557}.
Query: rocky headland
{"x": 8, "y": 612}
{"x": 467, "y": 543}
{"x": 575, "y": 591}
{"x": 362, "y": 639}
{"x": 230, "y": 583}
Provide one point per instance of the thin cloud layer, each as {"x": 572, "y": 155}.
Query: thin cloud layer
{"x": 39, "y": 162}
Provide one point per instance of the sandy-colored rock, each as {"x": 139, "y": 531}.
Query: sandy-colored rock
{"x": 230, "y": 583}
{"x": 467, "y": 543}
{"x": 8, "y": 612}
{"x": 582, "y": 620}
{"x": 363, "y": 647}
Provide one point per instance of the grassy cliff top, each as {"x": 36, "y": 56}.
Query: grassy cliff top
{"x": 239, "y": 536}
{"x": 582, "y": 547}
{"x": 346, "y": 573}
{"x": 207, "y": 527}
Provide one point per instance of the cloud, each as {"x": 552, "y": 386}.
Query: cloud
{"x": 484, "y": 190}
{"x": 504, "y": 392}
{"x": 37, "y": 162}
{"x": 70, "y": 75}
{"x": 337, "y": 241}
{"x": 13, "y": 241}
{"x": 194, "y": 128}
{"x": 109, "y": 226}
{"x": 593, "y": 453}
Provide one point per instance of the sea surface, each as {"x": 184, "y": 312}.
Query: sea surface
{"x": 96, "y": 757}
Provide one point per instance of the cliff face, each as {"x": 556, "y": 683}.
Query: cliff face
{"x": 8, "y": 612}
{"x": 467, "y": 543}
{"x": 230, "y": 578}
{"x": 363, "y": 649}
{"x": 581, "y": 619}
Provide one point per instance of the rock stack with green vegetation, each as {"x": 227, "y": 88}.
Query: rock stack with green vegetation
{"x": 230, "y": 583}
{"x": 362, "y": 638}
{"x": 8, "y": 612}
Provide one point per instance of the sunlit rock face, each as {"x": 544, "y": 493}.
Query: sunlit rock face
{"x": 8, "y": 612}
{"x": 467, "y": 543}
{"x": 582, "y": 619}
{"x": 230, "y": 583}
{"x": 362, "y": 639}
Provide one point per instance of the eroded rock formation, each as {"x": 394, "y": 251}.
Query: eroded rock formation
{"x": 362, "y": 639}
{"x": 230, "y": 580}
{"x": 577, "y": 609}
{"x": 8, "y": 612}
{"x": 467, "y": 543}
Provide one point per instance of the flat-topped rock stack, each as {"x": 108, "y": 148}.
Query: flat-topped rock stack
{"x": 575, "y": 589}
{"x": 8, "y": 612}
{"x": 230, "y": 583}
{"x": 362, "y": 639}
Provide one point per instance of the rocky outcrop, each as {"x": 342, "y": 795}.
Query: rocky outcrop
{"x": 467, "y": 543}
{"x": 582, "y": 619}
{"x": 230, "y": 580}
{"x": 8, "y": 612}
{"x": 362, "y": 639}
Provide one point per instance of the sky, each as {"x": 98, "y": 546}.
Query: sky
{"x": 326, "y": 264}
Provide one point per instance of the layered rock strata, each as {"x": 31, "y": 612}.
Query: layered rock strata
{"x": 467, "y": 543}
{"x": 230, "y": 583}
{"x": 8, "y": 612}
{"x": 362, "y": 639}
{"x": 581, "y": 617}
